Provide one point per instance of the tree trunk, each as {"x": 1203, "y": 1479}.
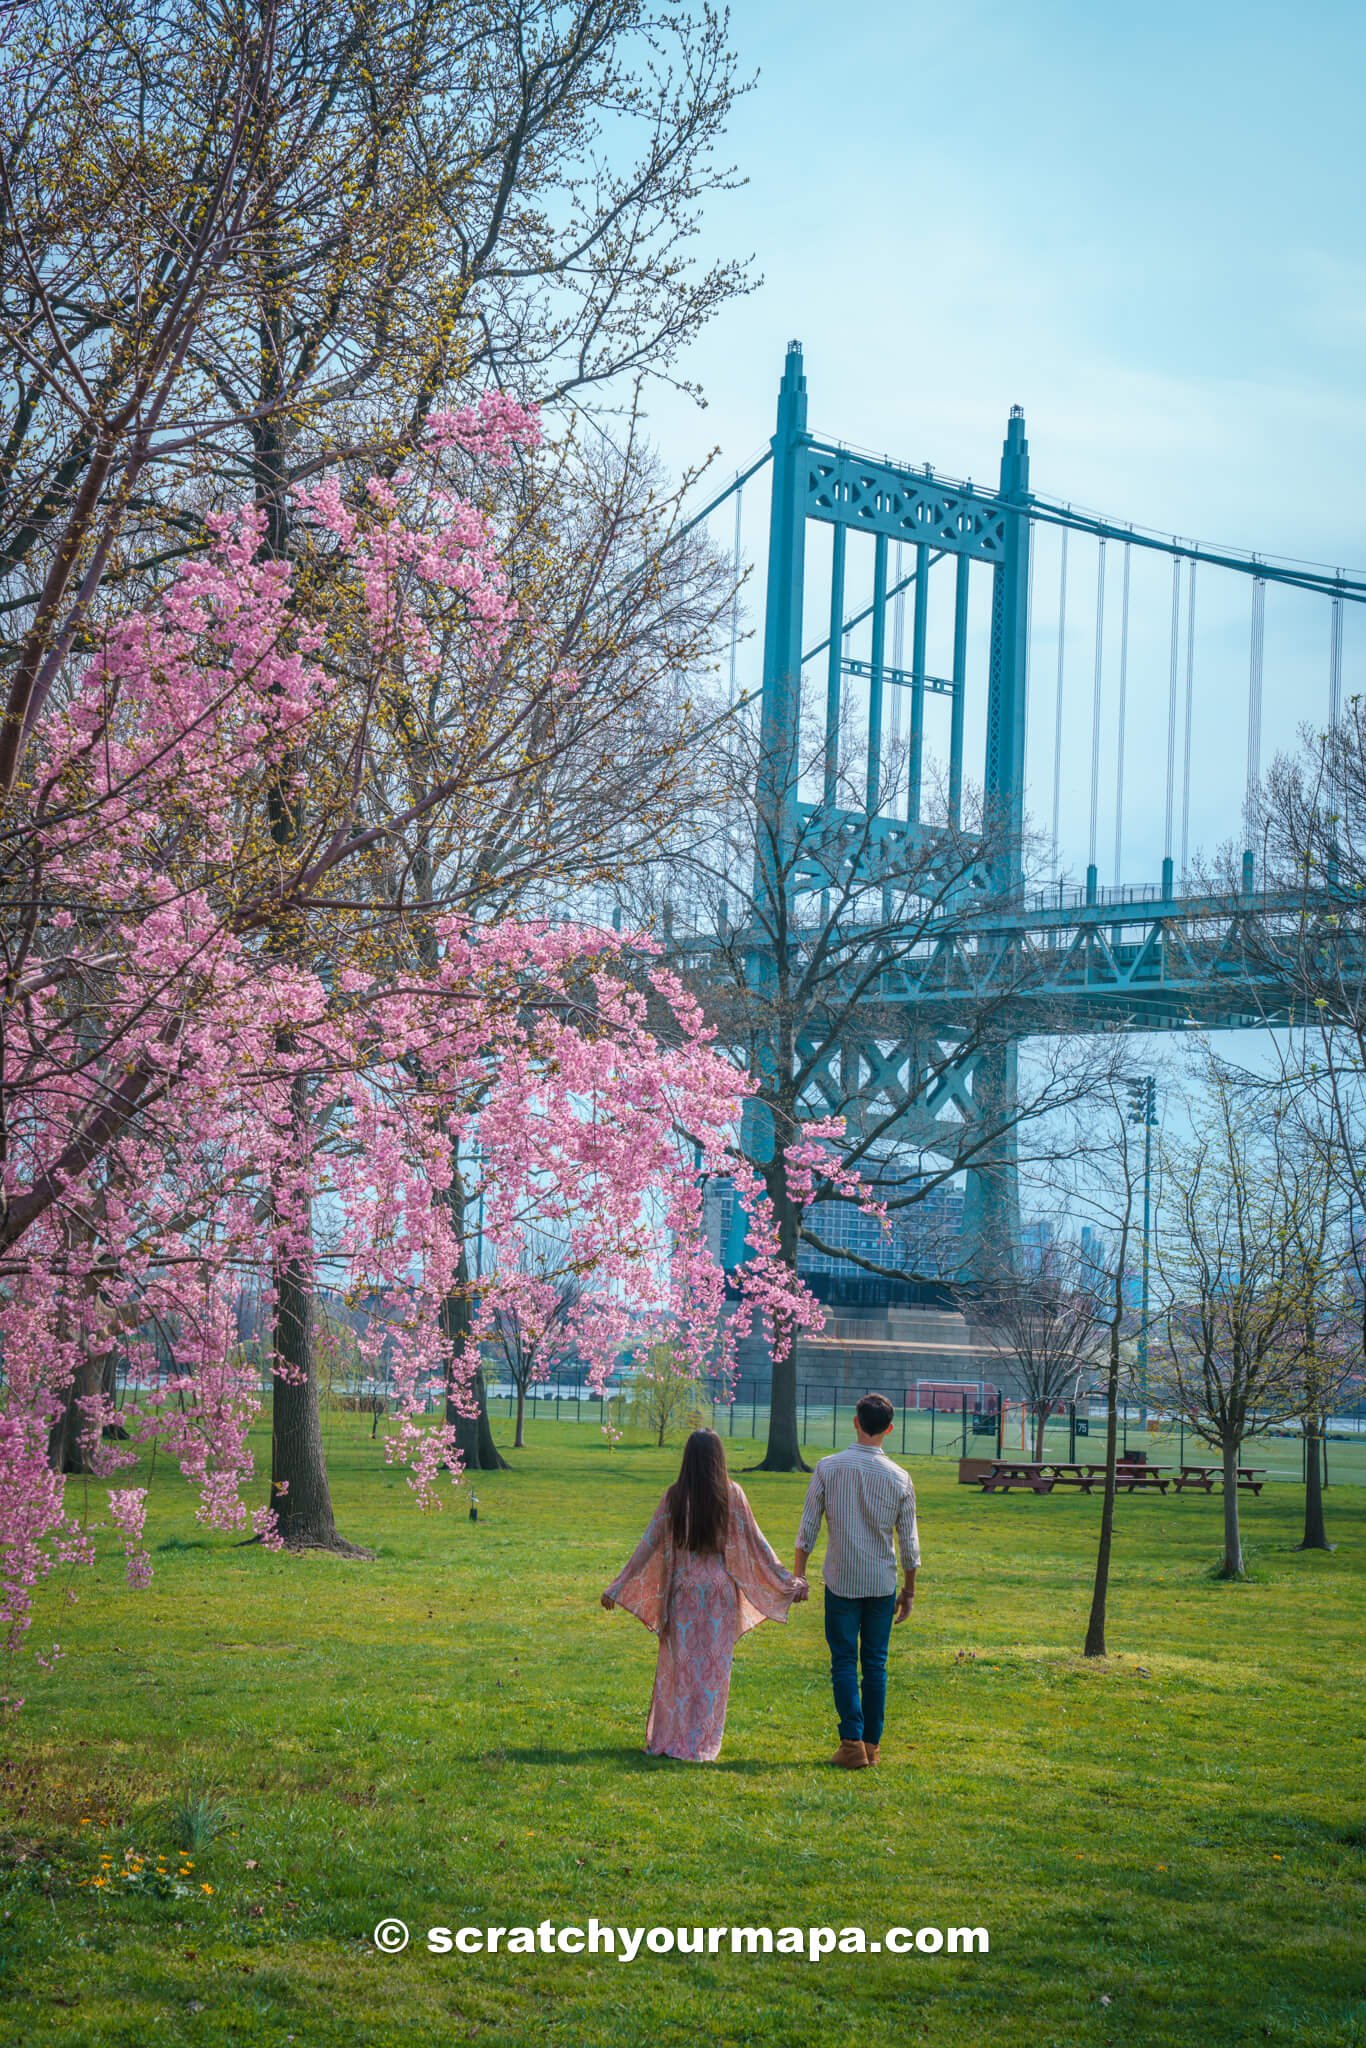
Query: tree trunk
{"x": 1040, "y": 1425}
{"x": 519, "y": 1439}
{"x": 1315, "y": 1527}
{"x": 784, "y": 1449}
{"x": 299, "y": 1492}
{"x": 1095, "y": 1627}
{"x": 1232, "y": 1565}
{"x": 114, "y": 1432}
{"x": 783, "y": 1452}
{"x": 69, "y": 1448}
{"x": 473, "y": 1433}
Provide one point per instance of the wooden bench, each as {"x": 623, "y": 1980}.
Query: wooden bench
{"x": 1251, "y": 1478}
{"x": 1141, "y": 1478}
{"x": 1129, "y": 1478}
{"x": 1073, "y": 1475}
{"x": 1006, "y": 1473}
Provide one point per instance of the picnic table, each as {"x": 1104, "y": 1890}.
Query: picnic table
{"x": 1008, "y": 1472}
{"x": 1083, "y": 1476}
{"x": 1145, "y": 1477}
{"x": 1251, "y": 1478}
{"x": 1042, "y": 1475}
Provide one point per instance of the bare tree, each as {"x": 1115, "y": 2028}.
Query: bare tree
{"x": 1235, "y": 1208}
{"x": 1307, "y": 961}
{"x": 1328, "y": 1259}
{"x": 240, "y": 247}
{"x": 1095, "y": 1166}
{"x": 530, "y": 1344}
{"x": 867, "y": 980}
{"x": 1046, "y": 1320}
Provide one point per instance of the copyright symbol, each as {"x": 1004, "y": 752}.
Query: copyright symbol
{"x": 390, "y": 1937}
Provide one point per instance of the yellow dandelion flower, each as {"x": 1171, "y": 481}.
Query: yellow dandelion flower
{"x": 207, "y": 1888}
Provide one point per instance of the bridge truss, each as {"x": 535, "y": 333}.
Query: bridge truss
{"x": 1133, "y": 959}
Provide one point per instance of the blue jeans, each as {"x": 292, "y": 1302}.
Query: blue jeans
{"x": 851, "y": 1627}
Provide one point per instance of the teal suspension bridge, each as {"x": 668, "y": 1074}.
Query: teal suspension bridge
{"x": 877, "y": 539}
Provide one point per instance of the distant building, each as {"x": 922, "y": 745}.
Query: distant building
{"x": 1037, "y": 1238}
{"x": 924, "y": 1240}
{"x": 1095, "y": 1254}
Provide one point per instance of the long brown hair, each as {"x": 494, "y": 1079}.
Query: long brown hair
{"x": 699, "y": 1499}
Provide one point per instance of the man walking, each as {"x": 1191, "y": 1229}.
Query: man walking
{"x": 863, "y": 1497}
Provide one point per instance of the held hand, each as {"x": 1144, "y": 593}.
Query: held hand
{"x": 905, "y": 1602}
{"x": 800, "y": 1591}
{"x": 608, "y": 1602}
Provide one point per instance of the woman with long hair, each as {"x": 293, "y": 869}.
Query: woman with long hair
{"x": 701, "y": 1576}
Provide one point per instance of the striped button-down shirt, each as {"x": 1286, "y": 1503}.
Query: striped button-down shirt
{"x": 863, "y": 1497}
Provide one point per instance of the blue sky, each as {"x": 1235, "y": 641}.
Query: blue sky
{"x": 1145, "y": 226}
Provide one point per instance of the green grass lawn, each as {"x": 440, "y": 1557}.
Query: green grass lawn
{"x": 1165, "y": 1849}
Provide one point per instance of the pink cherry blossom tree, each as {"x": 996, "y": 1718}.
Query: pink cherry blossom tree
{"x": 188, "y": 1101}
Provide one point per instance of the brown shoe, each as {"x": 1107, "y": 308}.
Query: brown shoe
{"x": 870, "y": 1750}
{"x": 850, "y": 1756}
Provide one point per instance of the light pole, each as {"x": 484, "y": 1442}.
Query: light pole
{"x": 1143, "y": 1110}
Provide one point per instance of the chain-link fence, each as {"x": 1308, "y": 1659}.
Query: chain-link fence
{"x": 975, "y": 1425}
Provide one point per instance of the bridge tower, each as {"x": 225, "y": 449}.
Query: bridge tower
{"x": 941, "y": 521}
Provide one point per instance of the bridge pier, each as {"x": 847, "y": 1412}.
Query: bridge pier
{"x": 991, "y": 1193}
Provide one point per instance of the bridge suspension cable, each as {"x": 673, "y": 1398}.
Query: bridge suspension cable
{"x": 1190, "y": 702}
{"x": 1057, "y": 702}
{"x": 898, "y": 652}
{"x": 735, "y": 597}
{"x": 1029, "y": 623}
{"x": 1299, "y": 576}
{"x": 1168, "y": 843}
{"x": 1123, "y": 699}
{"x": 1096, "y": 687}
{"x": 1254, "y": 700}
{"x": 1335, "y": 664}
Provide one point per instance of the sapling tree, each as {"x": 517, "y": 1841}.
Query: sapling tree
{"x": 1236, "y": 1318}
{"x": 1047, "y": 1319}
{"x": 533, "y": 1322}
{"x": 663, "y": 1399}
{"x": 1096, "y": 1168}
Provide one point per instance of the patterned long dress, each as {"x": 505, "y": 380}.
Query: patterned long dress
{"x": 699, "y": 1603}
